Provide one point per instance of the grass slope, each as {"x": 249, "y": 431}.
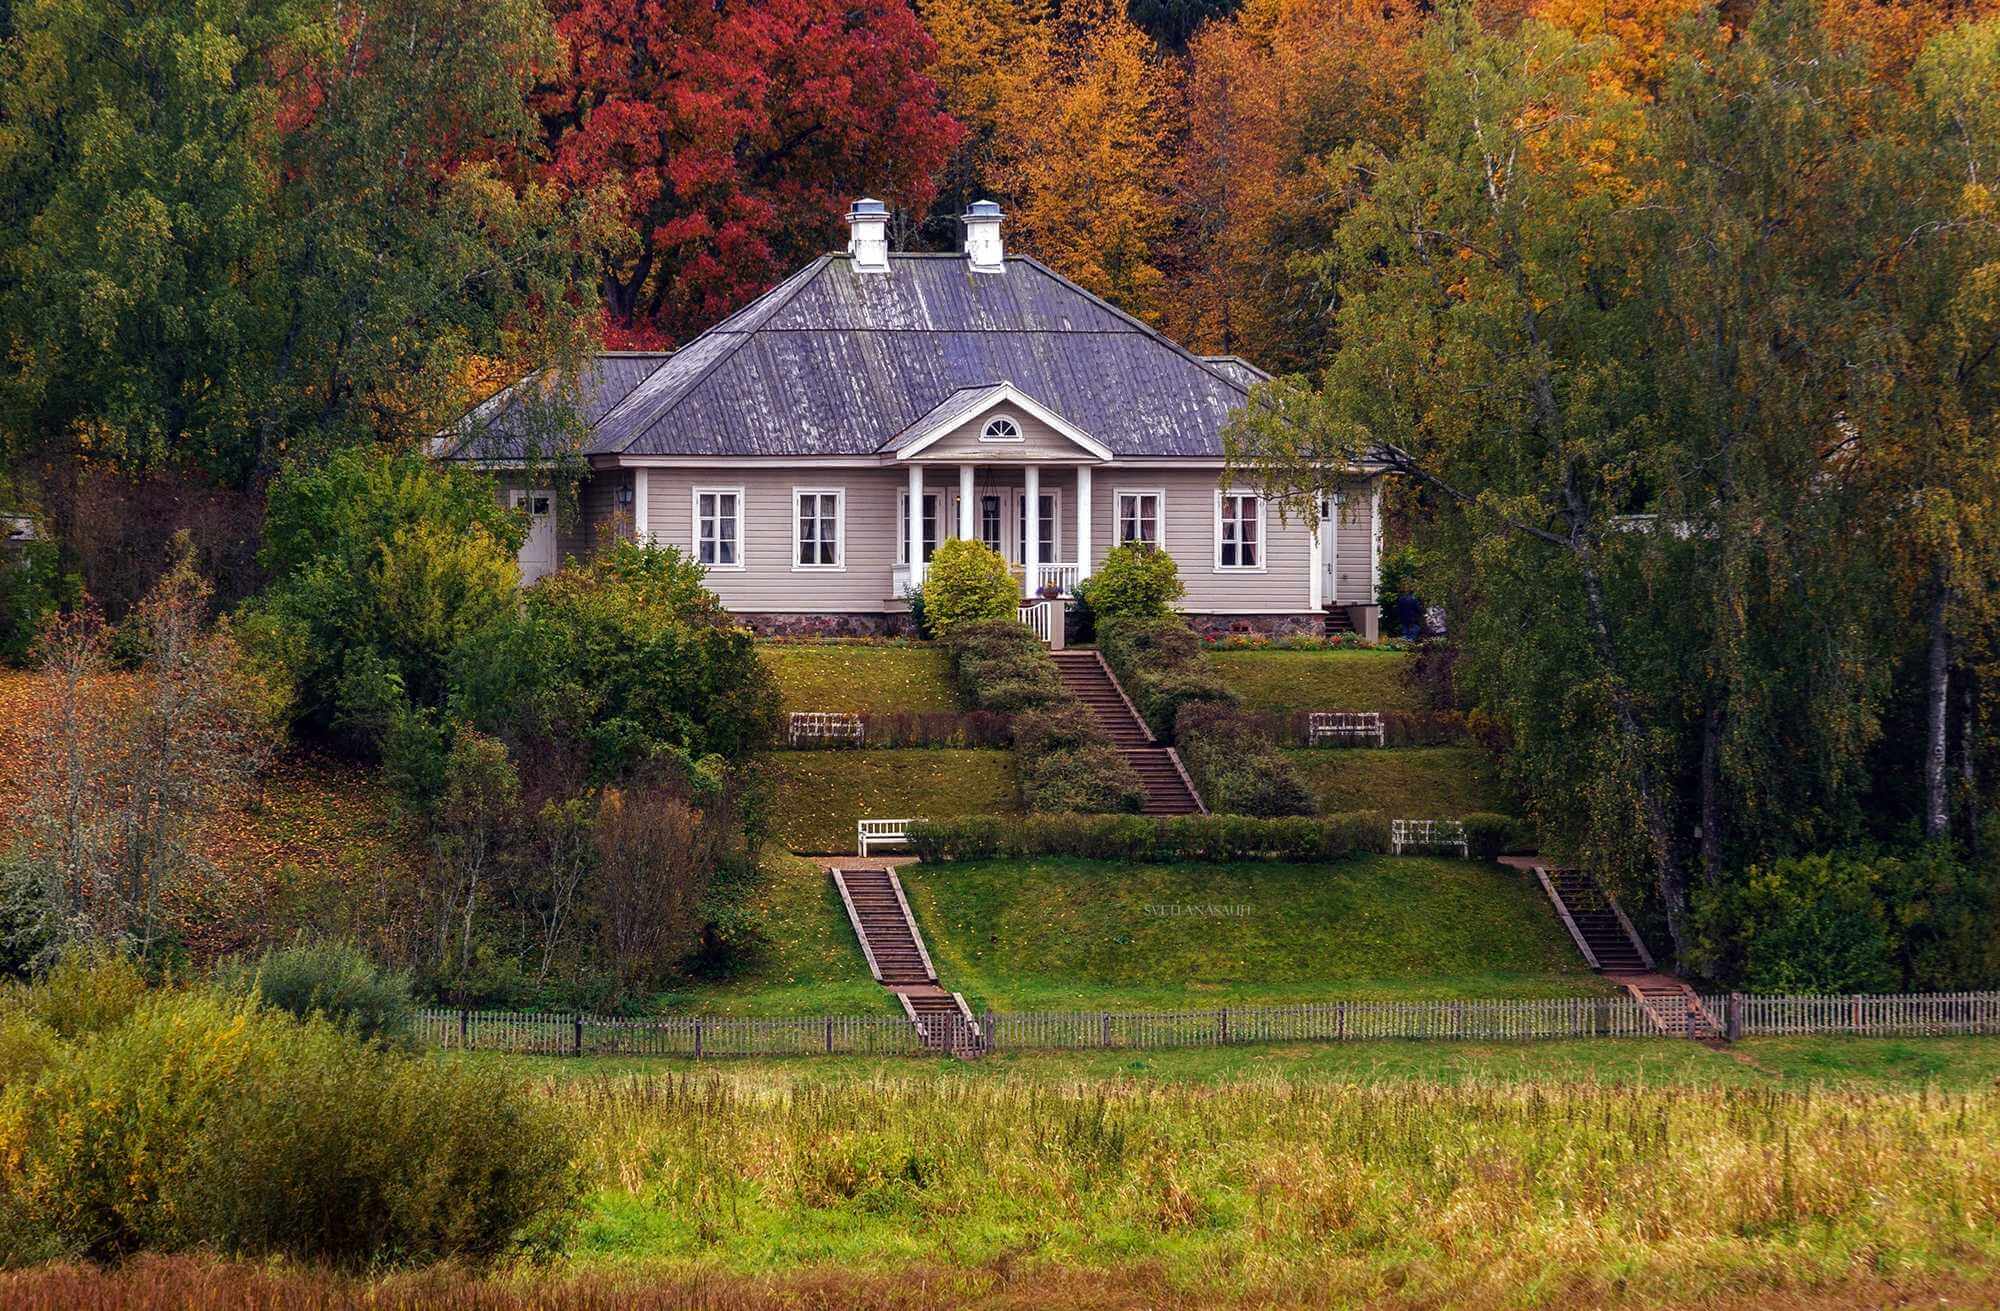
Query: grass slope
{"x": 820, "y": 794}
{"x": 810, "y": 964}
{"x": 1404, "y": 782}
{"x": 1283, "y": 682}
{"x": 860, "y": 679}
{"x": 1080, "y": 935}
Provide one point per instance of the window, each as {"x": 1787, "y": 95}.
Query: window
{"x": 1046, "y": 530}
{"x": 1239, "y": 531}
{"x": 931, "y": 503}
{"x": 990, "y": 523}
{"x": 1000, "y": 428}
{"x": 1139, "y": 517}
{"x": 718, "y": 527}
{"x": 535, "y": 503}
{"x": 817, "y": 540}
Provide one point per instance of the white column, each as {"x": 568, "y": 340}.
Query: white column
{"x": 1316, "y": 562}
{"x": 965, "y": 505}
{"x": 1082, "y": 522}
{"x": 1375, "y": 540}
{"x": 1031, "y": 529}
{"x": 915, "y": 527}
{"x": 642, "y": 528}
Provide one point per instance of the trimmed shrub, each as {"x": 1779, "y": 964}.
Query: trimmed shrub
{"x": 1162, "y": 665}
{"x": 332, "y": 980}
{"x": 1432, "y": 728}
{"x": 1134, "y": 582}
{"x": 1489, "y": 836}
{"x": 1236, "y": 766}
{"x": 1066, "y": 725}
{"x": 204, "y": 1122}
{"x": 1138, "y": 839}
{"x": 967, "y": 582}
{"x": 1093, "y": 778}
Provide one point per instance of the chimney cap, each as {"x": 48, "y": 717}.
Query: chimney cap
{"x": 868, "y": 208}
{"x": 982, "y": 209}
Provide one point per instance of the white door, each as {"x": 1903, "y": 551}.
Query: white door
{"x": 1329, "y": 548}
{"x": 538, "y": 553}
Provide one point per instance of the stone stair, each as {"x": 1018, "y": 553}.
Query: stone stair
{"x": 880, "y": 914}
{"x": 1169, "y": 790}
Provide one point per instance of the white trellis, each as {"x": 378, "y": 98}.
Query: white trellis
{"x": 826, "y": 726}
{"x": 881, "y": 833}
{"x": 1427, "y": 834}
{"x": 1343, "y": 726}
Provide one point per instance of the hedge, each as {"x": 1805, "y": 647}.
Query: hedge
{"x": 1140, "y": 839}
{"x": 918, "y": 728}
{"x": 1161, "y": 665}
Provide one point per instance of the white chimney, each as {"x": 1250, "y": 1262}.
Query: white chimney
{"x": 868, "y": 236}
{"x": 982, "y": 237}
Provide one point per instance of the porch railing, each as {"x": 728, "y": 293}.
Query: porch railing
{"x": 1063, "y": 577}
{"x": 1040, "y": 618}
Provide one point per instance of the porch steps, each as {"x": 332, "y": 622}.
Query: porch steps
{"x": 1337, "y": 621}
{"x": 880, "y": 914}
{"x": 1169, "y": 790}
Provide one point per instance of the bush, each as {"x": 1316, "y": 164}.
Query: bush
{"x": 1139, "y": 839}
{"x": 1093, "y": 778}
{"x": 967, "y": 582}
{"x": 1163, "y": 667}
{"x": 1804, "y": 924}
{"x": 204, "y": 1122}
{"x": 32, "y": 587}
{"x": 1067, "y": 725}
{"x": 332, "y": 980}
{"x": 1236, "y": 766}
{"x": 1134, "y": 582}
{"x": 1489, "y": 836}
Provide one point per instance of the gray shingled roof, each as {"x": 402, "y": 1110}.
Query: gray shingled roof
{"x": 612, "y": 376}
{"x": 834, "y": 362}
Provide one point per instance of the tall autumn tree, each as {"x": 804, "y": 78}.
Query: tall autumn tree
{"x": 735, "y": 134}
{"x": 991, "y": 66}
{"x": 240, "y": 229}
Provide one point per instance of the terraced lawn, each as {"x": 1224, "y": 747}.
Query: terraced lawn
{"x": 1083, "y": 935}
{"x": 1403, "y": 782}
{"x": 1284, "y": 682}
{"x": 861, "y": 679}
{"x": 818, "y": 795}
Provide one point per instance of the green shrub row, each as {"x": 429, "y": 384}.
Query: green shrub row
{"x": 1207, "y": 839}
{"x": 1066, "y": 760}
{"x": 1230, "y": 754}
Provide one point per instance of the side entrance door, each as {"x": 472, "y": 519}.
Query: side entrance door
{"x": 538, "y": 553}
{"x": 1329, "y": 548}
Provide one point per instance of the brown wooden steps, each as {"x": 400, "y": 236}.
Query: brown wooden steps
{"x": 1337, "y": 621}
{"x": 880, "y": 914}
{"x": 1169, "y": 791}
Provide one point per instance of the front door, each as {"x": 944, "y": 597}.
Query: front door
{"x": 538, "y": 553}
{"x": 1329, "y": 547}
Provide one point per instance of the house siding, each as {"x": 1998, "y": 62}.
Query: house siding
{"x": 1038, "y": 441}
{"x": 1188, "y": 533}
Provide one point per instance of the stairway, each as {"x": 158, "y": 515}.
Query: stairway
{"x": 1169, "y": 790}
{"x": 1611, "y": 946}
{"x": 1675, "y": 1008}
{"x": 881, "y": 918}
{"x": 1337, "y": 621}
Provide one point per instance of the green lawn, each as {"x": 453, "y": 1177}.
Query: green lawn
{"x": 1079, "y": 935}
{"x": 810, "y": 963}
{"x": 1403, "y": 782}
{"x": 1854, "y": 1064}
{"x": 860, "y": 679}
{"x": 1283, "y": 682}
{"x": 820, "y": 794}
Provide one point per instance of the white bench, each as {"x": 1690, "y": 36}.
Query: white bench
{"x": 825, "y": 726}
{"x": 1430, "y": 834}
{"x": 881, "y": 833}
{"x": 1323, "y": 726}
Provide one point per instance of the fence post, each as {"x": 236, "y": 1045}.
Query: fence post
{"x": 1600, "y": 1020}
{"x": 1222, "y": 1024}
{"x": 987, "y": 1029}
{"x": 1340, "y": 1021}
{"x": 1104, "y": 1029}
{"x": 1732, "y": 1023}
{"x": 576, "y": 1035}
{"x": 829, "y": 1035}
{"x": 697, "y": 1039}
{"x": 464, "y": 1024}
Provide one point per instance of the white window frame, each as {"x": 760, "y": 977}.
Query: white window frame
{"x": 993, "y": 421}
{"x": 1159, "y": 495}
{"x": 947, "y": 523}
{"x": 694, "y": 525}
{"x": 979, "y": 521}
{"x": 839, "y": 495}
{"x": 1263, "y": 537}
{"x": 1054, "y": 494}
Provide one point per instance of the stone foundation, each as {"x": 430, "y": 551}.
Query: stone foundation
{"x": 885, "y": 624}
{"x": 1213, "y": 627}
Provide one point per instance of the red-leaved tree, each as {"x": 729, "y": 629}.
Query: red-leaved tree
{"x": 737, "y": 133}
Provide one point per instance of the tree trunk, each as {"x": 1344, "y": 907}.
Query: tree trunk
{"x": 1968, "y": 756}
{"x": 1711, "y": 796}
{"x": 1937, "y": 682}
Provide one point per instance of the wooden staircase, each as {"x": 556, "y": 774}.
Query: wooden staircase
{"x": 1337, "y": 621}
{"x": 880, "y": 914}
{"x": 1169, "y": 790}
{"x": 1675, "y": 1008}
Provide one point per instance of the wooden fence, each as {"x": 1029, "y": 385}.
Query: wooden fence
{"x": 1925, "y": 1015}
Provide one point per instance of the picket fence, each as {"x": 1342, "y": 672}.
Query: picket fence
{"x": 1920, "y": 1015}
